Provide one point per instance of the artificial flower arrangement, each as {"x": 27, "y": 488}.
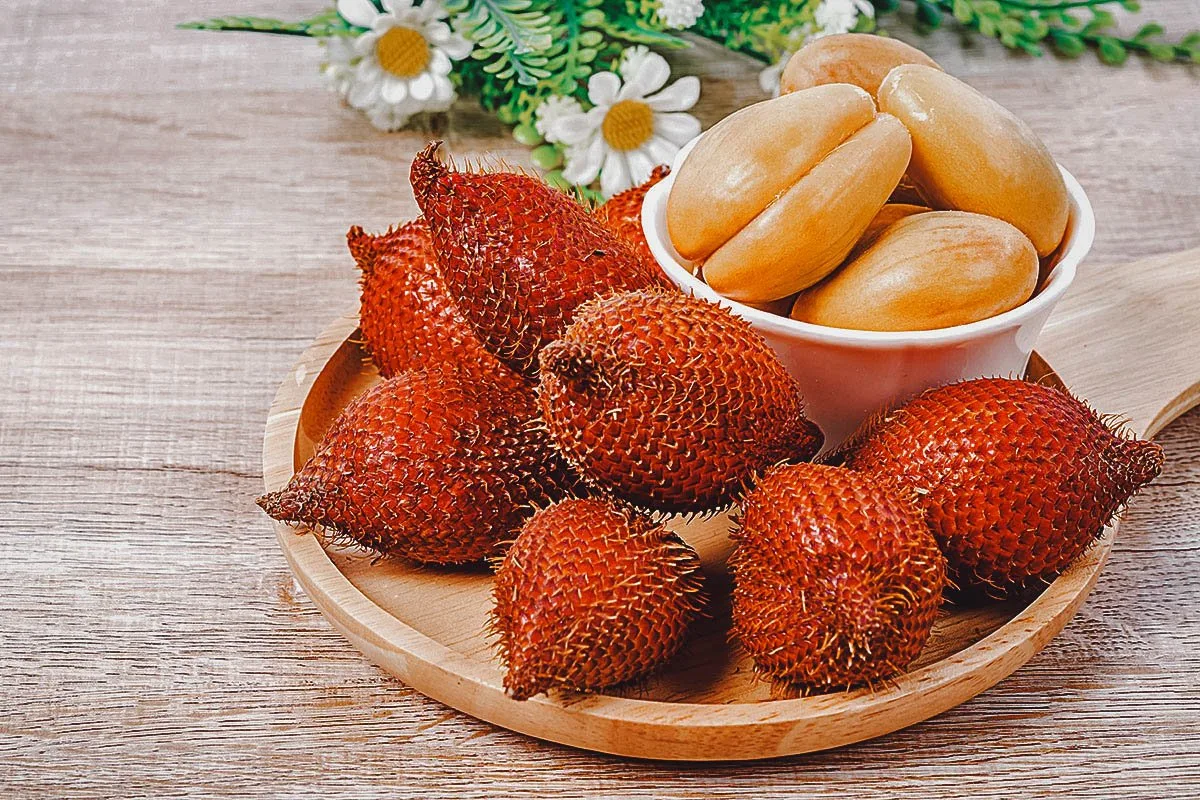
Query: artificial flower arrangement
{"x": 580, "y": 82}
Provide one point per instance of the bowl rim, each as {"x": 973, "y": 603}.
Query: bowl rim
{"x": 1080, "y": 233}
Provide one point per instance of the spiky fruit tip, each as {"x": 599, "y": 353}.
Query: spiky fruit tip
{"x": 592, "y": 595}
{"x": 407, "y": 318}
{"x": 670, "y": 402}
{"x": 435, "y": 465}
{"x": 519, "y": 256}
{"x": 837, "y": 580}
{"x": 1016, "y": 479}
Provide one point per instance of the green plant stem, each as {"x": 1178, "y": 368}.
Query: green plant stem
{"x": 243, "y": 29}
{"x": 1066, "y": 6}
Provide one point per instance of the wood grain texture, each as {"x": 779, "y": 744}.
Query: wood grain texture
{"x": 174, "y": 207}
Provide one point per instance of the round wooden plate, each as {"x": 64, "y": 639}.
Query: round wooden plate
{"x": 428, "y": 625}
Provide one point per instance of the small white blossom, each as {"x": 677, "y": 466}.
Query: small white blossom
{"x": 552, "y": 109}
{"x": 401, "y": 66}
{"x": 840, "y": 16}
{"x": 680, "y": 14}
{"x": 635, "y": 124}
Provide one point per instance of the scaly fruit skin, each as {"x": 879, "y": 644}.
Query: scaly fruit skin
{"x": 518, "y": 256}
{"x": 837, "y": 579}
{"x": 592, "y": 595}
{"x": 670, "y": 402}
{"x": 1015, "y": 479}
{"x": 622, "y": 214}
{"x": 408, "y": 320}
{"x": 435, "y": 465}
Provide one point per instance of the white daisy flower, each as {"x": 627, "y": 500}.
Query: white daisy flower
{"x": 404, "y": 60}
{"x": 552, "y": 109}
{"x": 680, "y": 14}
{"x": 635, "y": 124}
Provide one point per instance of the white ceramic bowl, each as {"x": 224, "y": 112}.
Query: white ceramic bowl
{"x": 848, "y": 375}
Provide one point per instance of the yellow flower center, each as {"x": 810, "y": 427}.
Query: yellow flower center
{"x": 403, "y": 52}
{"x": 627, "y": 125}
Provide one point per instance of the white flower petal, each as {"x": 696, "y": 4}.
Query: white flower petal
{"x": 572, "y": 129}
{"x": 631, "y": 60}
{"x": 677, "y": 128}
{"x": 583, "y": 163}
{"x": 421, "y": 87}
{"x": 340, "y": 48}
{"x": 679, "y": 14}
{"x": 443, "y": 93}
{"x": 651, "y": 76}
{"x": 365, "y": 44}
{"x": 439, "y": 63}
{"x": 394, "y": 91}
{"x": 368, "y": 70}
{"x": 387, "y": 117}
{"x": 603, "y": 88}
{"x": 640, "y": 166}
{"x": 679, "y": 96}
{"x": 457, "y": 47}
{"x": 358, "y": 12}
{"x": 363, "y": 94}
{"x": 660, "y": 150}
{"x": 397, "y": 6}
{"x": 614, "y": 175}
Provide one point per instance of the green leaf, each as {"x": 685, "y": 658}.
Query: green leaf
{"x": 1068, "y": 44}
{"x": 1112, "y": 51}
{"x": 557, "y": 180}
{"x": 1148, "y": 31}
{"x": 323, "y": 24}
{"x": 1160, "y": 52}
{"x": 1035, "y": 29}
{"x": 527, "y": 135}
{"x": 963, "y": 11}
{"x": 631, "y": 29}
{"x": 929, "y": 14}
{"x": 510, "y": 35}
{"x": 546, "y": 157}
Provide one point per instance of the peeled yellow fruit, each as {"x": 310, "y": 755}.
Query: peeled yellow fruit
{"x": 773, "y": 197}
{"x": 927, "y": 271}
{"x": 891, "y": 212}
{"x": 972, "y": 154}
{"x": 861, "y": 59}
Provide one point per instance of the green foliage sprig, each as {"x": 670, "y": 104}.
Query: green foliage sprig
{"x": 1069, "y": 27}
{"x": 321, "y": 25}
{"x": 525, "y": 51}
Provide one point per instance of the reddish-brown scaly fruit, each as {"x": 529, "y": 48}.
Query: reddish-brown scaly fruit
{"x": 670, "y": 402}
{"x": 622, "y": 214}
{"x": 592, "y": 595}
{"x": 435, "y": 465}
{"x": 1015, "y": 479}
{"x": 837, "y": 579}
{"x": 408, "y": 320}
{"x": 518, "y": 256}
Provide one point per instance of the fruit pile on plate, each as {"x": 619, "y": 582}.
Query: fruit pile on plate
{"x": 548, "y": 400}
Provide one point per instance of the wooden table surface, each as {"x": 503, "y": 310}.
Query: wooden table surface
{"x": 173, "y": 210}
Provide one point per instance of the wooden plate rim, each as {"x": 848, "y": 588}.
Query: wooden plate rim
{"x": 913, "y": 697}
